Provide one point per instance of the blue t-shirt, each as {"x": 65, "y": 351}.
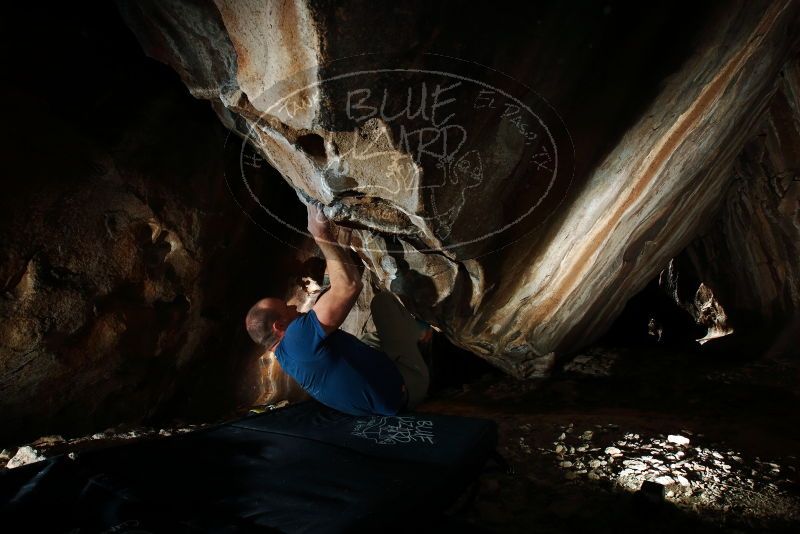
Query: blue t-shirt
{"x": 339, "y": 370}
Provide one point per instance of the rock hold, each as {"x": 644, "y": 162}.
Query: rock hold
{"x": 25, "y": 455}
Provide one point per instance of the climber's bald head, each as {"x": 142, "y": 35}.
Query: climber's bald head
{"x": 267, "y": 320}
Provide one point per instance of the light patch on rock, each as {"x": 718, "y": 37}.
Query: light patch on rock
{"x": 678, "y": 439}
{"x": 25, "y": 455}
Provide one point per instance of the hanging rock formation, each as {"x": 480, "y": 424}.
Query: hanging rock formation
{"x": 516, "y": 213}
{"x": 697, "y": 299}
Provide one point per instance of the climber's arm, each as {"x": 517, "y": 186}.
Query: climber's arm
{"x": 335, "y": 304}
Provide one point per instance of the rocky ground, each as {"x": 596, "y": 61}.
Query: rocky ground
{"x": 717, "y": 440}
{"x": 54, "y": 445}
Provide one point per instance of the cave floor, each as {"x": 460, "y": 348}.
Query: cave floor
{"x": 721, "y": 436}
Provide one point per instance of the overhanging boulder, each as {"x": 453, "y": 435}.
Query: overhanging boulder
{"x": 517, "y": 212}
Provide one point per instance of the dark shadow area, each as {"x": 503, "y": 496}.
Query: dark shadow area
{"x": 652, "y": 320}
{"x": 128, "y": 264}
{"x": 313, "y": 145}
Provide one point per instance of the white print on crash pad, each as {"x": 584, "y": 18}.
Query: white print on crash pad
{"x": 394, "y": 430}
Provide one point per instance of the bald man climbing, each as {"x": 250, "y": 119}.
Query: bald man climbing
{"x": 379, "y": 374}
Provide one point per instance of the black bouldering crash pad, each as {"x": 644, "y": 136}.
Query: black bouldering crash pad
{"x": 304, "y": 468}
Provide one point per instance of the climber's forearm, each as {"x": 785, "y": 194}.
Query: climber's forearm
{"x": 342, "y": 270}
{"x": 333, "y": 306}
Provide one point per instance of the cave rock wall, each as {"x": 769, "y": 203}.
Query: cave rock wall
{"x": 518, "y": 239}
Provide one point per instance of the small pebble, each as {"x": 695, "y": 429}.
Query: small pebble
{"x": 678, "y": 439}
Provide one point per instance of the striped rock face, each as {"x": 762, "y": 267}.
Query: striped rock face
{"x": 514, "y": 187}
